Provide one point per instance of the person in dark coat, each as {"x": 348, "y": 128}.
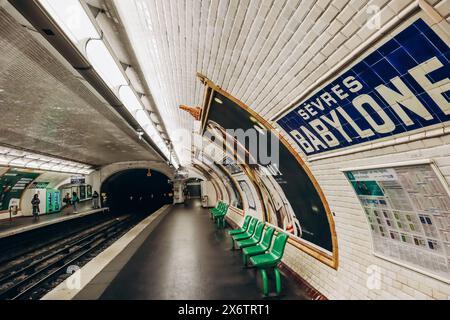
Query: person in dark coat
{"x": 35, "y": 203}
{"x": 95, "y": 198}
{"x": 67, "y": 200}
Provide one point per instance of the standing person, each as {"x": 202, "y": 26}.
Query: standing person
{"x": 95, "y": 197}
{"x": 75, "y": 200}
{"x": 35, "y": 203}
{"x": 67, "y": 200}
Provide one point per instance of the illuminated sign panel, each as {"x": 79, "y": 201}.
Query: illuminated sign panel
{"x": 77, "y": 180}
{"x": 402, "y": 86}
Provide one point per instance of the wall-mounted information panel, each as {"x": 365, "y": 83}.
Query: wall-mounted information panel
{"x": 408, "y": 210}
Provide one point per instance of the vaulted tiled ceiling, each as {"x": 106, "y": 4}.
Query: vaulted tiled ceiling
{"x": 47, "y": 108}
{"x": 264, "y": 52}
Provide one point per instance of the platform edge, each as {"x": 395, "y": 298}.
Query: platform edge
{"x": 87, "y": 274}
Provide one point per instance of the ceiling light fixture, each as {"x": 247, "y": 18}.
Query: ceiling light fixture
{"x": 10, "y": 157}
{"x": 129, "y": 99}
{"x": 105, "y": 64}
{"x": 72, "y": 19}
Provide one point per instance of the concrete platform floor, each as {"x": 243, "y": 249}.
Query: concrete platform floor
{"x": 186, "y": 257}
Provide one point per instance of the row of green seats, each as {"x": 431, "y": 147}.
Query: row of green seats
{"x": 255, "y": 240}
{"x": 218, "y": 213}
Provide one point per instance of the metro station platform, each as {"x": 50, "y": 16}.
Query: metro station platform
{"x": 23, "y": 224}
{"x": 184, "y": 257}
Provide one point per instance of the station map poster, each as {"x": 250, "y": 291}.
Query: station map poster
{"x": 402, "y": 86}
{"x": 408, "y": 210}
{"x": 12, "y": 184}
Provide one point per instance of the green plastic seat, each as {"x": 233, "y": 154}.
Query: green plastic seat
{"x": 255, "y": 239}
{"x": 260, "y": 248}
{"x": 217, "y": 209}
{"x": 245, "y": 235}
{"x": 243, "y": 228}
{"x": 219, "y": 217}
{"x": 270, "y": 260}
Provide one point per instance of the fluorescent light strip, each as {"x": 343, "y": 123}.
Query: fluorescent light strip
{"x": 130, "y": 100}
{"x": 72, "y": 18}
{"x": 104, "y": 63}
{"x": 17, "y": 158}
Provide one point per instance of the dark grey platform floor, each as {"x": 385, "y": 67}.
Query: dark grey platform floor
{"x": 186, "y": 257}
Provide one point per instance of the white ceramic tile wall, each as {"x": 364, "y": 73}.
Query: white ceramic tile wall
{"x": 267, "y": 53}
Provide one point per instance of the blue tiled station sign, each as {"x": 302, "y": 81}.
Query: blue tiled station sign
{"x": 402, "y": 86}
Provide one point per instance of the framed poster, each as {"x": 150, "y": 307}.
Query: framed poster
{"x": 248, "y": 194}
{"x": 231, "y": 166}
{"x": 229, "y": 182}
{"x": 408, "y": 211}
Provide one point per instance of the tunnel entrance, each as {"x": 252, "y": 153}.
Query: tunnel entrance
{"x": 136, "y": 191}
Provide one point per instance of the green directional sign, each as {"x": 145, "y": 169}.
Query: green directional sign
{"x": 12, "y": 184}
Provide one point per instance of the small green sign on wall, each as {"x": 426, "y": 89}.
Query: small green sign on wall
{"x": 12, "y": 184}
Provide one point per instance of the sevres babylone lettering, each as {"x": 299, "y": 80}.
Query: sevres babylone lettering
{"x": 400, "y": 87}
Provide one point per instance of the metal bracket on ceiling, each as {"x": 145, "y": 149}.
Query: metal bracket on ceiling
{"x": 125, "y": 66}
{"x": 96, "y": 10}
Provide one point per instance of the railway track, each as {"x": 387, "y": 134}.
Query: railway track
{"x": 32, "y": 277}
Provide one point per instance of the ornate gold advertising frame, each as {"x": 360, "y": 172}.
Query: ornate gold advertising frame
{"x": 330, "y": 260}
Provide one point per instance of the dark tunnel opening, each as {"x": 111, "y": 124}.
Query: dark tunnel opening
{"x": 136, "y": 192}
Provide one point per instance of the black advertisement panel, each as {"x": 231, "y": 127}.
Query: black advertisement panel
{"x": 298, "y": 208}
